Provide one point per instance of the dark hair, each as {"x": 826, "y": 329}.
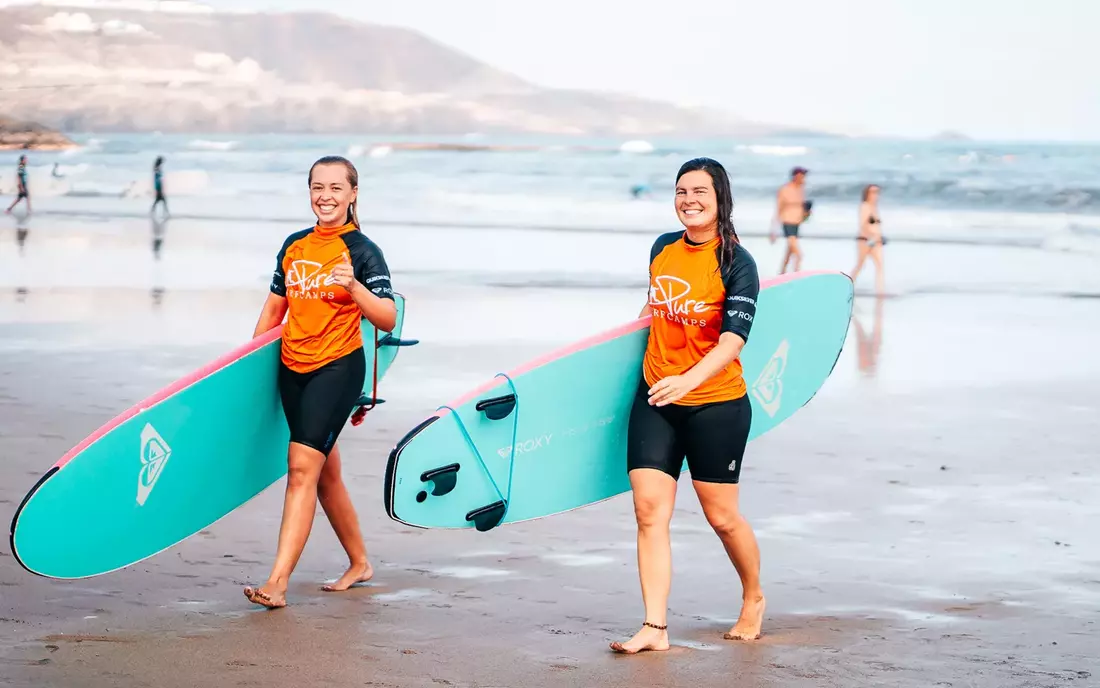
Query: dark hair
{"x": 353, "y": 179}
{"x": 160, "y": 159}
{"x": 724, "y": 196}
{"x": 867, "y": 190}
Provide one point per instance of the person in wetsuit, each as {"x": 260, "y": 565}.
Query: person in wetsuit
{"x": 870, "y": 240}
{"x": 22, "y": 193}
{"x": 327, "y": 279}
{"x": 792, "y": 209}
{"x": 158, "y": 186}
{"x": 691, "y": 400}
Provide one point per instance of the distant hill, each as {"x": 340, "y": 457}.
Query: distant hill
{"x": 117, "y": 68}
{"x": 18, "y": 135}
{"x": 950, "y": 136}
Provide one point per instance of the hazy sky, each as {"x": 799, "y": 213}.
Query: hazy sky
{"x": 989, "y": 68}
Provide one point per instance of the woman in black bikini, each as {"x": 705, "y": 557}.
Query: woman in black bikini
{"x": 870, "y": 240}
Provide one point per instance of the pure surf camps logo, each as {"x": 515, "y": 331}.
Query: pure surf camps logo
{"x": 155, "y": 453}
{"x": 671, "y": 293}
{"x": 768, "y": 388}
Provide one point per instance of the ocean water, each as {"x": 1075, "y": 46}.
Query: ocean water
{"x": 532, "y": 212}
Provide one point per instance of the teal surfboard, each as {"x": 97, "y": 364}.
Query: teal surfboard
{"x": 551, "y": 435}
{"x": 172, "y": 464}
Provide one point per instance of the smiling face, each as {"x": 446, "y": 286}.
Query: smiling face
{"x": 696, "y": 202}
{"x": 330, "y": 193}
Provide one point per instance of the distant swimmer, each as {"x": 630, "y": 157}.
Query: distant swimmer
{"x": 870, "y": 240}
{"x": 639, "y": 190}
{"x": 56, "y": 172}
{"x": 158, "y": 185}
{"x": 792, "y": 209}
{"x": 22, "y": 193}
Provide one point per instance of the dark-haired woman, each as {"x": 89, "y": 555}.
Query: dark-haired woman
{"x": 158, "y": 186}
{"x": 327, "y": 279}
{"x": 692, "y": 401}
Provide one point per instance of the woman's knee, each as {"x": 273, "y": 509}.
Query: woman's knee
{"x": 303, "y": 467}
{"x": 652, "y": 511}
{"x": 726, "y": 521}
{"x": 330, "y": 477}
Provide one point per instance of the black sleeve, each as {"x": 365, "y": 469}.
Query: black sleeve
{"x": 742, "y": 289}
{"x": 278, "y": 279}
{"x": 370, "y": 265}
{"x": 663, "y": 241}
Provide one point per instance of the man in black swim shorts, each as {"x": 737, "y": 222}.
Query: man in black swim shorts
{"x": 792, "y": 211}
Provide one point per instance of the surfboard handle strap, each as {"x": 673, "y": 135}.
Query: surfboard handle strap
{"x": 497, "y": 408}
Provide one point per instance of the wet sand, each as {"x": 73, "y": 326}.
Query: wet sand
{"x": 929, "y": 519}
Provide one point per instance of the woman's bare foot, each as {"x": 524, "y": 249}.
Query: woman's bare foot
{"x": 749, "y": 623}
{"x": 356, "y": 573}
{"x": 649, "y": 638}
{"x": 272, "y": 599}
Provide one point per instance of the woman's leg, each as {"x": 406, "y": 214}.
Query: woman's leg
{"x": 861, "y": 255}
{"x": 654, "y": 457}
{"x": 716, "y": 436}
{"x": 654, "y": 498}
{"x": 336, "y": 502}
{"x": 300, "y": 503}
{"x": 719, "y": 502}
{"x": 880, "y": 275}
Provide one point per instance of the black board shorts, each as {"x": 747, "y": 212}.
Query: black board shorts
{"x": 317, "y": 404}
{"x": 790, "y": 230}
{"x": 712, "y": 437}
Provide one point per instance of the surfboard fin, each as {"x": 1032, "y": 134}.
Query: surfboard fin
{"x": 489, "y": 516}
{"x": 364, "y": 404}
{"x": 443, "y": 479}
{"x": 390, "y": 340}
{"x": 497, "y": 408}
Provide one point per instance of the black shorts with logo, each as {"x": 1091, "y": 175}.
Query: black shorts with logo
{"x": 712, "y": 437}
{"x": 317, "y": 404}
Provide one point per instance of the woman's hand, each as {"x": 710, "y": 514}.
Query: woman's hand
{"x": 671, "y": 389}
{"x": 344, "y": 274}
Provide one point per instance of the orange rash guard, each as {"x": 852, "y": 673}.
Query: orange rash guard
{"x": 692, "y": 304}
{"x": 323, "y": 322}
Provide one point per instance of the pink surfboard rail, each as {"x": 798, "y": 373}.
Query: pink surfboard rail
{"x": 602, "y": 337}
{"x": 177, "y": 386}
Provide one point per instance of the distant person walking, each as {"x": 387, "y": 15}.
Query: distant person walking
{"x": 21, "y": 192}
{"x": 158, "y": 186}
{"x": 792, "y": 209}
{"x": 870, "y": 240}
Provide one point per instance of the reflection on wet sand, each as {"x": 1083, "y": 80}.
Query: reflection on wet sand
{"x": 158, "y": 225}
{"x": 868, "y": 346}
{"x": 159, "y": 229}
{"x": 22, "y": 231}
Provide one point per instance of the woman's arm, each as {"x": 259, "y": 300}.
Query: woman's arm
{"x": 271, "y": 314}
{"x": 381, "y": 312}
{"x": 724, "y": 352}
{"x": 865, "y": 228}
{"x": 367, "y": 281}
